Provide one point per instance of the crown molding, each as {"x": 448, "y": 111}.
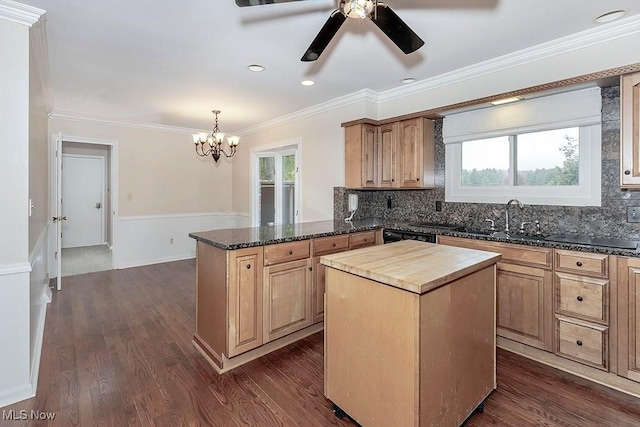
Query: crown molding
{"x": 19, "y": 13}
{"x": 364, "y": 95}
{"x": 40, "y": 49}
{"x": 583, "y": 39}
{"x": 84, "y": 118}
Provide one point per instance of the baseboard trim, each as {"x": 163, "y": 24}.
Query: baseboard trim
{"x": 16, "y": 395}
{"x": 35, "y": 361}
{"x": 232, "y": 363}
{"x": 156, "y": 261}
{"x": 607, "y": 379}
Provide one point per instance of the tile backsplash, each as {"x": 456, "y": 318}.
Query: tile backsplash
{"x": 608, "y": 220}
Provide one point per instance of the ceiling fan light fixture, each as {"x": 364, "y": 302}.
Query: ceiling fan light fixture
{"x": 359, "y": 9}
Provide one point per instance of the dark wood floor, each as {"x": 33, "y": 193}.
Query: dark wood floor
{"x": 117, "y": 351}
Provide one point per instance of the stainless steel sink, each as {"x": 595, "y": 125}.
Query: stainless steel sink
{"x": 593, "y": 241}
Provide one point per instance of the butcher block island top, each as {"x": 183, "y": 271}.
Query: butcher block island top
{"x": 411, "y": 265}
{"x": 410, "y": 333}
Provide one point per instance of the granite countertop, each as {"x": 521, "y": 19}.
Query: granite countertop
{"x": 528, "y": 240}
{"x": 238, "y": 238}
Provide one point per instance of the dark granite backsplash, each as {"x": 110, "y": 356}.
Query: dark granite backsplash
{"x": 609, "y": 220}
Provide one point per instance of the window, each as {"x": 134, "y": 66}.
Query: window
{"x": 275, "y": 186}
{"x": 537, "y": 157}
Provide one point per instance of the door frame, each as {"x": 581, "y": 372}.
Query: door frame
{"x": 103, "y": 160}
{"x": 55, "y": 173}
{"x": 278, "y": 148}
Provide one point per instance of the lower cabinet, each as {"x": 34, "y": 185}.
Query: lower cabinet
{"x": 524, "y": 285}
{"x": 287, "y": 298}
{"x": 629, "y": 318}
{"x": 524, "y": 305}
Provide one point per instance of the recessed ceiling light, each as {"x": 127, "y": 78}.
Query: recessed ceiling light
{"x": 408, "y": 80}
{"x": 307, "y": 83}
{"x": 506, "y": 100}
{"x": 610, "y": 16}
{"x": 256, "y": 68}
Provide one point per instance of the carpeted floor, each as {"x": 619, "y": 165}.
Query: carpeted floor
{"x": 86, "y": 259}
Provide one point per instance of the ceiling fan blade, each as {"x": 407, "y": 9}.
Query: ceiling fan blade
{"x": 328, "y": 30}
{"x": 396, "y": 29}
{"x": 244, "y": 3}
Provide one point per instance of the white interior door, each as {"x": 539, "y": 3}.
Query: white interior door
{"x": 82, "y": 200}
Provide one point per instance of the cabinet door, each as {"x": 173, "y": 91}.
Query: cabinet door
{"x": 630, "y": 123}
{"x": 287, "y": 298}
{"x": 629, "y": 318}
{"x": 317, "y": 291}
{"x": 415, "y": 151}
{"x": 387, "y": 155}
{"x": 369, "y": 156}
{"x": 245, "y": 301}
{"x": 524, "y": 301}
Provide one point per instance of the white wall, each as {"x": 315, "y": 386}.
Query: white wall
{"x": 14, "y": 221}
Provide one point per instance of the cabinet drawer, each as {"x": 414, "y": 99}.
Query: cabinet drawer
{"x": 328, "y": 245}
{"x": 519, "y": 254}
{"x": 360, "y": 240}
{"x": 582, "y": 263}
{"x": 582, "y": 342}
{"x": 283, "y": 252}
{"x": 584, "y": 297}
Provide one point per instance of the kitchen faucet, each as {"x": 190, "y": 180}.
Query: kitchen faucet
{"x": 506, "y": 213}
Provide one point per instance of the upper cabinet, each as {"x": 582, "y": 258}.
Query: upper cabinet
{"x": 630, "y": 122}
{"x": 392, "y": 155}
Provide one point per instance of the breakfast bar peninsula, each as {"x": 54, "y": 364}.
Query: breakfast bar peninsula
{"x": 410, "y": 333}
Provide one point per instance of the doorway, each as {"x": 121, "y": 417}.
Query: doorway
{"x": 276, "y": 184}
{"x": 83, "y": 205}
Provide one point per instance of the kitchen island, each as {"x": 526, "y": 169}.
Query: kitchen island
{"x": 259, "y": 289}
{"x": 410, "y": 333}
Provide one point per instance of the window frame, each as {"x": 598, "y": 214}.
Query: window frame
{"x": 587, "y": 193}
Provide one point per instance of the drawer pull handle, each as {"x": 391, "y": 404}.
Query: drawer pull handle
{"x": 580, "y": 298}
{"x": 579, "y": 263}
{"x": 627, "y": 172}
{"x": 290, "y": 252}
{"x": 310, "y": 268}
{"x": 248, "y": 266}
{"x": 333, "y": 245}
{"x": 579, "y": 342}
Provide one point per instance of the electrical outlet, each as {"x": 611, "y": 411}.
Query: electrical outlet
{"x": 438, "y": 206}
{"x": 633, "y": 214}
{"x": 171, "y": 240}
{"x": 129, "y": 196}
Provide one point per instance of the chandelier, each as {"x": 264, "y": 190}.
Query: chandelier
{"x": 215, "y": 142}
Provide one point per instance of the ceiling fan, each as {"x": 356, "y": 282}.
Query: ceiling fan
{"x": 381, "y": 15}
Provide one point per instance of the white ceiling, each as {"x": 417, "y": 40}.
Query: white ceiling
{"x": 171, "y": 62}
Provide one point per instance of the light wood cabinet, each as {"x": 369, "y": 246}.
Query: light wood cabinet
{"x": 629, "y": 318}
{"x": 391, "y": 155}
{"x": 323, "y": 246}
{"x": 287, "y": 298}
{"x": 524, "y": 290}
{"x": 228, "y": 301}
{"x": 416, "y": 163}
{"x": 630, "y": 127}
{"x": 581, "y": 304}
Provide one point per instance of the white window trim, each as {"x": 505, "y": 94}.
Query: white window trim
{"x": 588, "y": 193}
{"x": 579, "y": 108}
{"x": 278, "y": 149}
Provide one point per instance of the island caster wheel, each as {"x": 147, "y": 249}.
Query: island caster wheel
{"x": 338, "y": 412}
